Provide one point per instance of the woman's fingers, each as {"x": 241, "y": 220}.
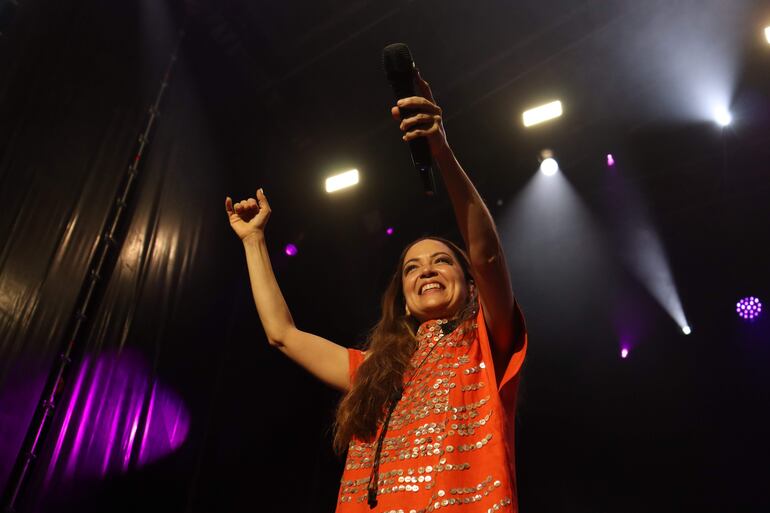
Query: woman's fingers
{"x": 418, "y": 103}
{"x": 414, "y": 134}
{"x": 262, "y": 199}
{"x": 420, "y": 125}
{"x": 248, "y": 216}
{"x": 419, "y": 120}
{"x": 248, "y": 207}
{"x": 422, "y": 117}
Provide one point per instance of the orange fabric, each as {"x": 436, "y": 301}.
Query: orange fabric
{"x": 449, "y": 445}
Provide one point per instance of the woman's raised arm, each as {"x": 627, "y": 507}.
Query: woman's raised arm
{"x": 322, "y": 358}
{"x": 475, "y": 223}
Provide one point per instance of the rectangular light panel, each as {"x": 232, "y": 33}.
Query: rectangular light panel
{"x": 342, "y": 180}
{"x": 767, "y": 34}
{"x": 542, "y": 113}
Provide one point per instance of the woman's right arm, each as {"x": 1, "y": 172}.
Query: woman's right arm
{"x": 322, "y": 358}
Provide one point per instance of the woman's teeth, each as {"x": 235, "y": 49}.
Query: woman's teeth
{"x": 429, "y": 286}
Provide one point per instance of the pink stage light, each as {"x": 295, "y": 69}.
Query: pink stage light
{"x": 291, "y": 250}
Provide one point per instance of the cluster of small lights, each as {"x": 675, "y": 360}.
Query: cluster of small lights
{"x": 749, "y": 308}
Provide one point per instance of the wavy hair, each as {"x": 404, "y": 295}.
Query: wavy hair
{"x": 390, "y": 346}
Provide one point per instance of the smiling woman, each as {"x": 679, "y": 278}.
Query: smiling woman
{"x": 427, "y": 415}
{"x": 434, "y": 283}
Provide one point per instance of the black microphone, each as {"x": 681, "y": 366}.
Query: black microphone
{"x": 400, "y": 70}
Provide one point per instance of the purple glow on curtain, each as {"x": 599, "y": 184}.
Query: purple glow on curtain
{"x": 113, "y": 433}
{"x": 137, "y": 401}
{"x": 166, "y": 425}
{"x": 86, "y": 415}
{"x": 117, "y": 417}
{"x": 148, "y": 425}
{"x": 67, "y": 418}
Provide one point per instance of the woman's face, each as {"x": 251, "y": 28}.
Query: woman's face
{"x": 434, "y": 285}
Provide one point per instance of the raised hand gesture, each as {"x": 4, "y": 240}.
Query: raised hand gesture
{"x": 248, "y": 217}
{"x": 423, "y": 117}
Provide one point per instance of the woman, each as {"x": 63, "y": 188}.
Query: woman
{"x": 427, "y": 416}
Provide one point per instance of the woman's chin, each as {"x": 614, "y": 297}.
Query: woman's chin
{"x": 435, "y": 312}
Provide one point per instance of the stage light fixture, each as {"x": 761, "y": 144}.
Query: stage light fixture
{"x": 549, "y": 166}
{"x": 624, "y": 353}
{"x": 610, "y": 160}
{"x": 291, "y": 250}
{"x": 542, "y": 113}
{"x": 686, "y": 330}
{"x": 749, "y": 308}
{"x": 389, "y": 231}
{"x": 342, "y": 180}
{"x": 767, "y": 34}
{"x": 722, "y": 116}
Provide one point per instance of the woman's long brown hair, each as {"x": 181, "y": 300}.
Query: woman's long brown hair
{"x": 390, "y": 346}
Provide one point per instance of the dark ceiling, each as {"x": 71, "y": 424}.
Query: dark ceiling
{"x": 639, "y": 79}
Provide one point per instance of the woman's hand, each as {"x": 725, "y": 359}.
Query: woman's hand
{"x": 248, "y": 217}
{"x": 422, "y": 118}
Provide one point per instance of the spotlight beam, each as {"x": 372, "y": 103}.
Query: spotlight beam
{"x": 648, "y": 262}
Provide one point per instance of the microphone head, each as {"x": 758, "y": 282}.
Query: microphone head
{"x": 397, "y": 61}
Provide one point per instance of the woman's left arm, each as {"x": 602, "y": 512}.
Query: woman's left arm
{"x": 475, "y": 223}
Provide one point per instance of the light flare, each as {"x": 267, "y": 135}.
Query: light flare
{"x": 542, "y": 113}
{"x": 342, "y": 181}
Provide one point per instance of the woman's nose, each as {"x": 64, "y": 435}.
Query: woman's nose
{"x": 427, "y": 272}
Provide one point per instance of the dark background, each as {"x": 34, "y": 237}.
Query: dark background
{"x": 280, "y": 95}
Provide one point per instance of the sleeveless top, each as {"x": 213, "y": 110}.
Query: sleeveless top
{"x": 449, "y": 445}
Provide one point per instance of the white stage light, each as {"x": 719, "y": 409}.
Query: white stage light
{"x": 542, "y": 113}
{"x": 722, "y": 116}
{"x": 767, "y": 34}
{"x": 549, "y": 166}
{"x": 686, "y": 330}
{"x": 342, "y": 180}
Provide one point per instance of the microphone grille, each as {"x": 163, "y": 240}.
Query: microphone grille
{"x": 397, "y": 59}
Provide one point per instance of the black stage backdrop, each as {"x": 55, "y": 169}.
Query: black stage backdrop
{"x": 176, "y": 313}
{"x": 176, "y": 403}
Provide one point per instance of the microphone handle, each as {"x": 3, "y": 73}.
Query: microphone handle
{"x": 422, "y": 162}
{"x": 403, "y": 87}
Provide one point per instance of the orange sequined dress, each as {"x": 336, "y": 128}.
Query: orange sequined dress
{"x": 449, "y": 445}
